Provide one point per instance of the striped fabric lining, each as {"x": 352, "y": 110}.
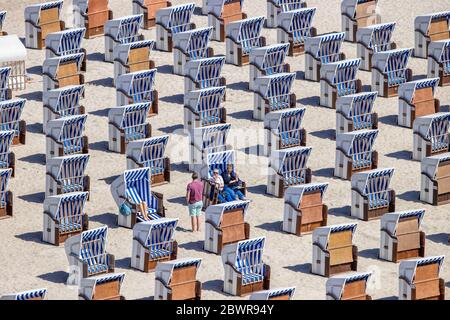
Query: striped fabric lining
{"x": 345, "y": 76}
{"x": 208, "y": 72}
{"x": 377, "y": 188}
{"x": 6, "y": 139}
{"x": 289, "y": 127}
{"x": 343, "y": 227}
{"x": 358, "y": 277}
{"x": 140, "y": 88}
{"x": 430, "y": 260}
{"x": 300, "y": 24}
{"x": 249, "y": 260}
{"x": 282, "y": 292}
{"x": 293, "y": 165}
{"x": 4, "y": 80}
{"x": 134, "y": 121}
{"x": 289, "y": 5}
{"x": 438, "y": 132}
{"x": 279, "y": 90}
{"x": 209, "y": 105}
{"x": 330, "y": 47}
{"x": 396, "y": 65}
{"x": 51, "y": 5}
{"x": 93, "y": 250}
{"x": 250, "y": 33}
{"x": 362, "y": 110}
{"x": 5, "y": 175}
{"x": 159, "y": 241}
{"x": 71, "y": 134}
{"x": 31, "y": 294}
{"x": 361, "y": 148}
{"x": 274, "y": 58}
{"x": 380, "y": 39}
{"x": 70, "y": 212}
{"x": 220, "y": 160}
{"x": 2, "y": 19}
{"x": 70, "y": 41}
{"x": 10, "y": 114}
{"x": 152, "y": 154}
{"x": 68, "y": 103}
{"x": 128, "y": 30}
{"x": 180, "y": 18}
{"x": 72, "y": 172}
{"x": 197, "y": 47}
{"x": 445, "y": 58}
{"x": 214, "y": 137}
{"x": 110, "y": 278}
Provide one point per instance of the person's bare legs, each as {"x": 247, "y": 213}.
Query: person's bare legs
{"x": 197, "y": 220}
{"x": 194, "y": 223}
{"x": 144, "y": 210}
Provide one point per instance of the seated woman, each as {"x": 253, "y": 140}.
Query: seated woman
{"x": 225, "y": 194}
{"x": 231, "y": 180}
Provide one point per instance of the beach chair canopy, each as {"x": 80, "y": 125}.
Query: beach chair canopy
{"x": 246, "y": 32}
{"x": 326, "y": 47}
{"x": 389, "y": 221}
{"x": 164, "y": 270}
{"x": 429, "y": 165}
{"x": 423, "y": 22}
{"x": 286, "y": 124}
{"x": 349, "y": 7}
{"x": 207, "y": 104}
{"x": 336, "y": 284}
{"x": 211, "y": 138}
{"x": 6, "y": 140}
{"x": 122, "y": 51}
{"x": 291, "y": 164}
{"x": 69, "y": 171}
{"x": 435, "y": 128}
{"x": 294, "y": 194}
{"x": 375, "y": 185}
{"x": 5, "y": 175}
{"x": 67, "y": 209}
{"x": 193, "y": 43}
{"x": 10, "y": 114}
{"x": 340, "y": 72}
{"x": 138, "y": 85}
{"x": 216, "y": 6}
{"x": 440, "y": 51}
{"x": 4, "y": 80}
{"x": 358, "y": 107}
{"x": 393, "y": 63}
{"x": 88, "y": 285}
{"x": 65, "y": 42}
{"x": 37, "y": 294}
{"x": 246, "y": 257}
{"x": 358, "y": 145}
{"x": 376, "y": 37}
{"x": 273, "y": 294}
{"x": 132, "y": 119}
{"x": 149, "y": 152}
{"x": 214, "y": 213}
{"x": 51, "y": 65}
{"x": 176, "y": 18}
{"x": 298, "y": 23}
{"x": 407, "y": 90}
{"x": 270, "y": 58}
{"x": 321, "y": 235}
{"x": 156, "y": 235}
{"x": 275, "y": 86}
{"x": 206, "y": 72}
{"x": 33, "y": 12}
{"x": 125, "y": 29}
{"x": 220, "y": 161}
{"x": 68, "y": 131}
{"x": 408, "y": 268}
{"x": 64, "y": 101}
{"x": 16, "y": 50}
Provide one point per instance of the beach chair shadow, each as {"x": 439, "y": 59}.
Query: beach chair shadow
{"x": 59, "y": 277}
{"x": 390, "y": 119}
{"x": 369, "y": 253}
{"x": 214, "y": 285}
{"x": 110, "y": 179}
{"x": 105, "y": 82}
{"x": 256, "y": 150}
{"x": 171, "y": 129}
{"x": 38, "y": 158}
{"x": 108, "y": 218}
{"x": 245, "y": 114}
{"x": 37, "y": 197}
{"x": 37, "y": 70}
{"x": 259, "y": 189}
{"x": 35, "y": 236}
{"x": 176, "y": 98}
{"x": 303, "y": 268}
{"x": 100, "y": 113}
{"x": 124, "y": 263}
{"x": 96, "y": 56}
{"x": 412, "y": 196}
{"x": 178, "y": 200}
{"x": 241, "y": 85}
{"x": 329, "y": 134}
{"x": 401, "y": 155}
{"x": 300, "y": 75}
{"x": 180, "y": 167}
{"x": 167, "y": 69}
{"x": 99, "y": 146}
{"x": 389, "y": 298}
{"x": 310, "y": 101}
{"x": 341, "y": 212}
{"x": 271, "y": 226}
{"x": 35, "y": 128}
{"x": 439, "y": 237}
{"x": 324, "y": 172}
{"x": 194, "y": 245}
{"x": 34, "y": 96}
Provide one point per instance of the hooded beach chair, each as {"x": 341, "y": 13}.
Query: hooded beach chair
{"x": 417, "y": 99}
{"x": 121, "y": 31}
{"x": 355, "y": 112}
{"x": 241, "y": 37}
{"x": 64, "y": 102}
{"x": 6, "y": 196}
{"x": 338, "y": 79}
{"x": 245, "y": 271}
{"x": 133, "y": 57}
{"x": 204, "y": 108}
{"x": 138, "y": 87}
{"x": 283, "y": 129}
{"x": 275, "y": 7}
{"x": 190, "y": 45}
{"x": 87, "y": 255}
{"x": 5, "y": 91}
{"x": 273, "y": 93}
{"x": 354, "y": 153}
{"x": 134, "y": 187}
{"x": 428, "y": 28}
{"x": 320, "y": 50}
{"x": 14, "y": 56}
{"x": 439, "y": 61}
{"x": 371, "y": 195}
{"x": 372, "y": 39}
{"x": 170, "y": 21}
{"x": 65, "y": 136}
{"x": 92, "y": 15}
{"x": 431, "y": 135}
{"x": 268, "y": 60}
{"x": 126, "y": 124}
{"x": 225, "y": 223}
{"x": 358, "y": 14}
{"x": 64, "y": 217}
{"x": 390, "y": 70}
{"x": 274, "y": 294}
{"x": 2, "y": 20}
{"x": 7, "y": 157}
{"x": 63, "y": 71}
{"x": 400, "y": 235}
{"x": 333, "y": 249}
{"x": 221, "y": 13}
{"x": 153, "y": 242}
{"x": 149, "y": 153}
{"x": 40, "y": 20}
{"x": 177, "y": 280}
{"x": 419, "y": 279}
{"x": 203, "y": 73}
{"x": 67, "y": 174}
{"x": 435, "y": 179}
{"x": 64, "y": 43}
{"x": 294, "y": 27}
{"x": 148, "y": 9}
{"x": 10, "y": 119}
{"x": 304, "y": 209}
{"x": 103, "y": 287}
{"x": 288, "y": 167}
{"x": 37, "y": 294}
{"x": 349, "y": 286}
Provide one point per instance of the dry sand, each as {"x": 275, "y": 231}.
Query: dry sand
{"x": 27, "y": 262}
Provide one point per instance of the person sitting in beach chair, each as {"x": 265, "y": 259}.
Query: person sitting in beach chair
{"x": 233, "y": 183}
{"x": 219, "y": 190}
{"x": 439, "y": 61}
{"x": 92, "y": 15}
{"x": 38, "y": 294}
{"x": 429, "y": 28}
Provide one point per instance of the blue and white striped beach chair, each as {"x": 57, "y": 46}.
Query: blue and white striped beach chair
{"x": 371, "y": 195}
{"x": 37, "y": 294}
{"x": 355, "y": 112}
{"x": 87, "y": 255}
{"x": 64, "y": 216}
{"x": 428, "y": 28}
{"x": 133, "y": 187}
{"x": 6, "y": 196}
{"x": 400, "y": 235}
{"x": 2, "y": 20}
{"x": 65, "y": 42}
{"x": 40, "y": 20}
{"x": 283, "y": 129}
{"x": 268, "y": 60}
{"x": 431, "y": 135}
{"x": 275, "y": 7}
{"x": 5, "y": 91}
{"x": 190, "y": 45}
{"x": 338, "y": 79}
{"x": 10, "y": 119}
{"x": 138, "y": 87}
{"x": 241, "y": 37}
{"x": 288, "y": 167}
{"x": 148, "y": 9}
{"x": 103, "y": 287}
{"x": 349, "y": 286}
{"x": 273, "y": 93}
{"x": 92, "y": 15}
{"x": 203, "y": 73}
{"x": 434, "y": 184}
{"x": 320, "y": 50}
{"x": 62, "y": 71}
{"x": 120, "y": 31}
{"x": 245, "y": 271}
{"x": 204, "y": 108}
{"x": 221, "y": 13}
{"x": 390, "y": 70}
{"x": 170, "y": 21}
{"x": 7, "y": 157}
{"x": 439, "y": 61}
{"x": 65, "y": 136}
{"x": 294, "y": 27}
{"x": 149, "y": 153}
{"x": 274, "y": 294}
{"x": 152, "y": 242}
{"x": 66, "y": 175}
{"x": 358, "y": 14}
{"x": 128, "y": 123}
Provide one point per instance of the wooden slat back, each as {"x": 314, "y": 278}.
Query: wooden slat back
{"x": 283, "y": 297}
{"x": 354, "y": 289}
{"x": 340, "y": 239}
{"x": 443, "y": 170}
{"x": 438, "y": 26}
{"x": 312, "y": 214}
{"x": 440, "y": 36}
{"x": 67, "y": 69}
{"x": 427, "y": 272}
{"x": 424, "y": 94}
{"x": 232, "y": 217}
{"x": 425, "y": 108}
{"x": 184, "y": 274}
{"x": 366, "y": 9}
{"x": 233, "y": 234}
{"x": 138, "y": 55}
{"x": 427, "y": 289}
{"x": 108, "y": 290}
{"x": 49, "y": 16}
{"x": 50, "y": 28}
{"x": 97, "y": 6}
{"x": 231, "y": 8}
{"x": 341, "y": 255}
{"x": 311, "y": 199}
{"x": 409, "y": 241}
{"x": 408, "y": 225}
{"x": 183, "y": 291}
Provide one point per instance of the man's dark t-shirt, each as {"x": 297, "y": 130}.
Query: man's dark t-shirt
{"x": 227, "y": 177}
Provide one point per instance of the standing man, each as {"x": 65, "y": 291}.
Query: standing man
{"x": 194, "y": 193}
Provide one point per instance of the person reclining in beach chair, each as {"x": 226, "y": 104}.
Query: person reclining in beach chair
{"x": 224, "y": 193}
{"x": 233, "y": 183}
